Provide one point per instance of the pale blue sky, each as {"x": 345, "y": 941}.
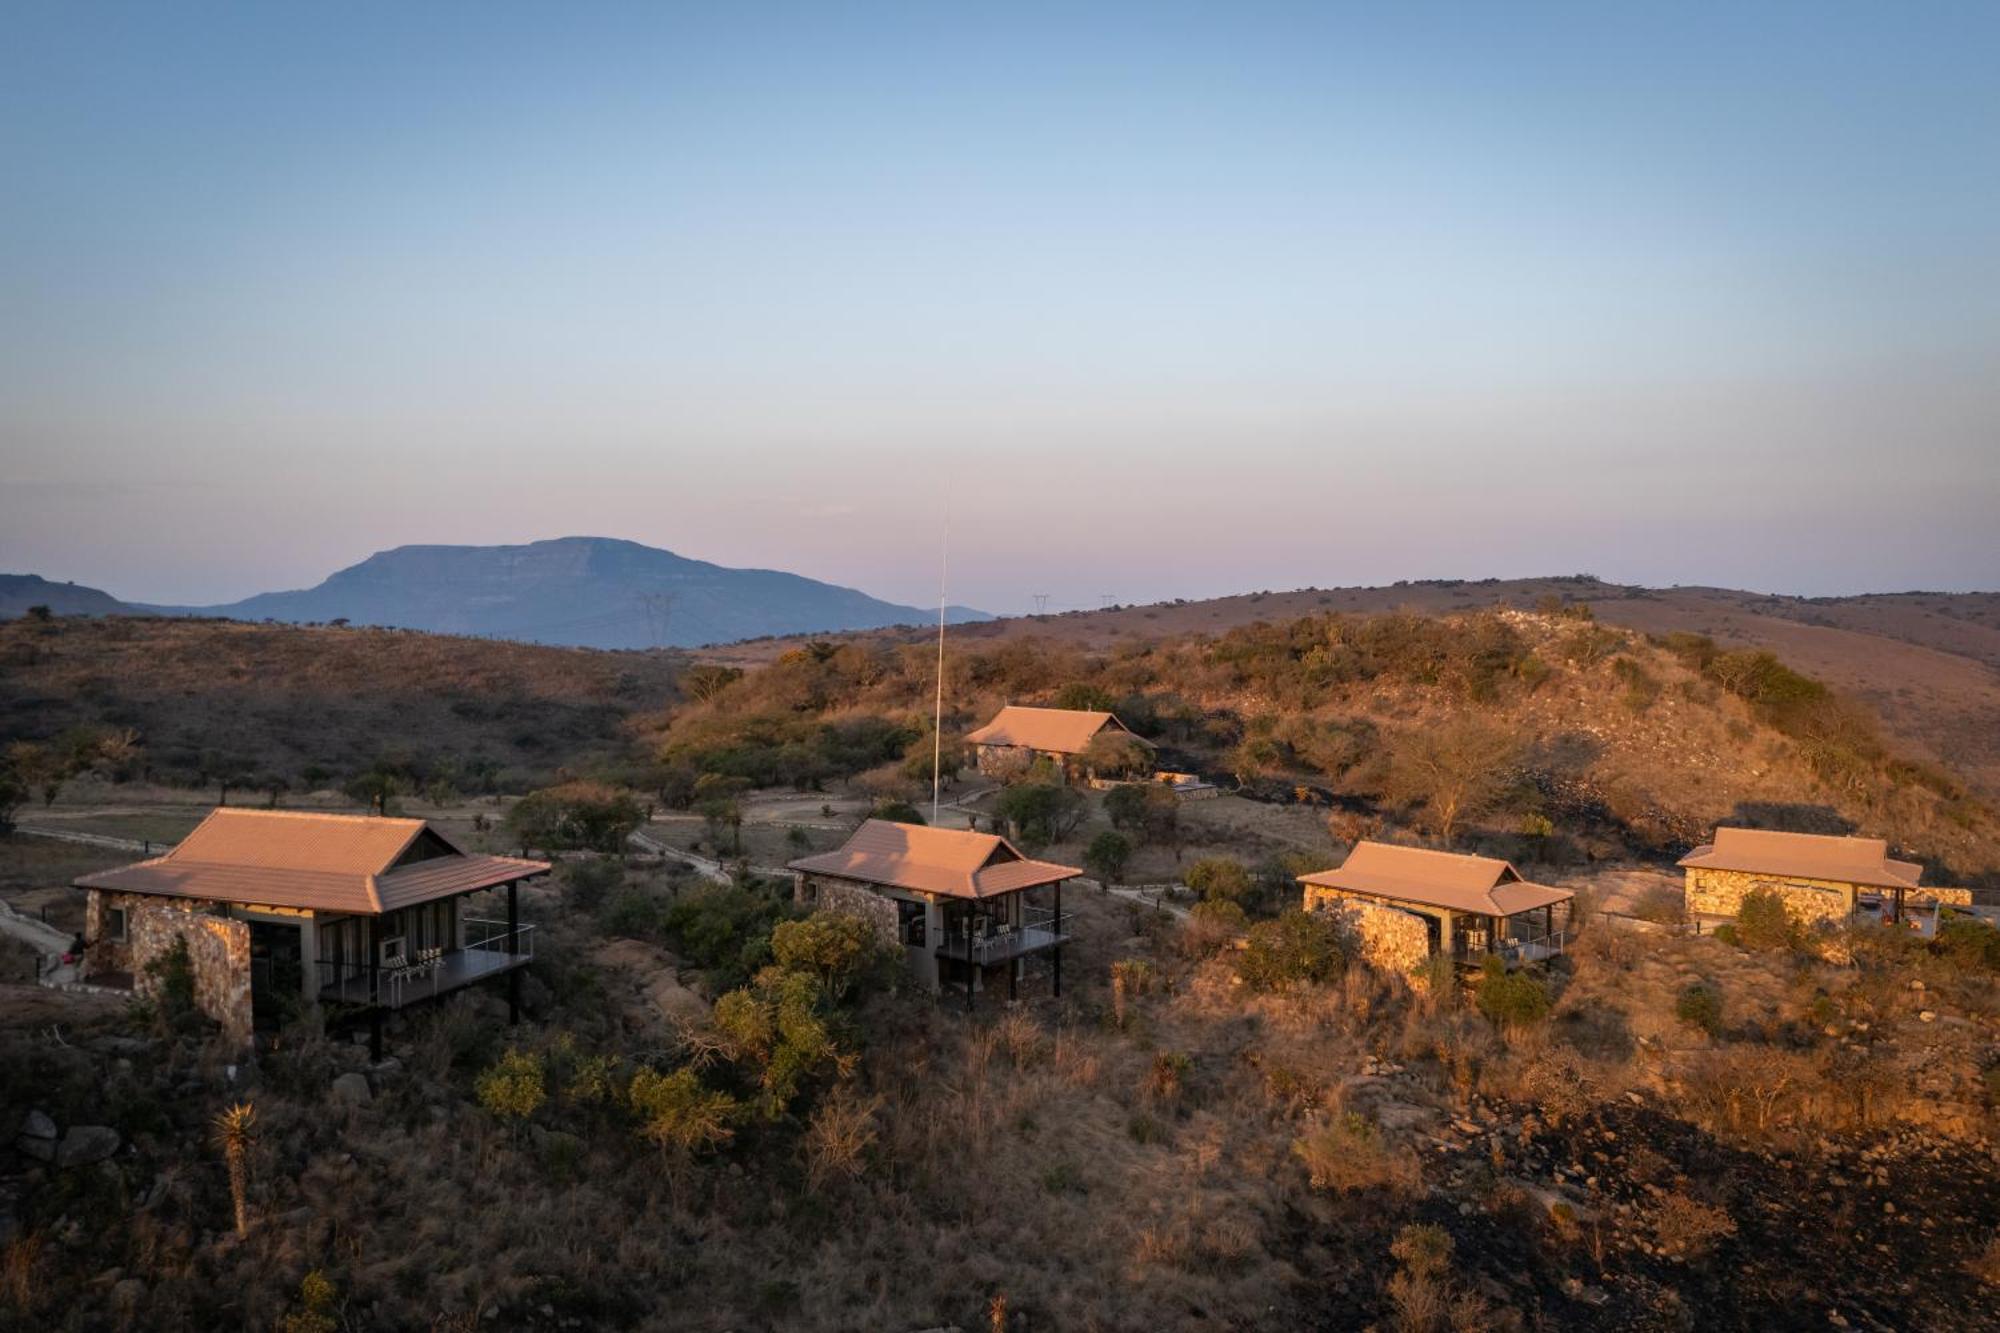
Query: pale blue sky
{"x": 1173, "y": 299}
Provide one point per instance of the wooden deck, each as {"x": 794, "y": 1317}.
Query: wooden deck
{"x": 455, "y": 971}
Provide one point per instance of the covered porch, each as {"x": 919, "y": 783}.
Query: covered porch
{"x": 981, "y": 936}
{"x": 491, "y": 949}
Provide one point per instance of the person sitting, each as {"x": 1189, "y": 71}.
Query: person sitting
{"x": 76, "y": 948}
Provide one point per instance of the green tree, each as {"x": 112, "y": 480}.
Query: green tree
{"x": 703, "y": 683}
{"x": 776, "y": 1025}
{"x": 1041, "y": 812}
{"x": 837, "y": 947}
{"x": 575, "y": 816}
{"x": 1107, "y": 855}
{"x": 1219, "y": 877}
{"x": 1764, "y": 923}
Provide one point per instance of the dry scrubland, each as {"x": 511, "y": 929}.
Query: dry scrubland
{"x": 219, "y": 699}
{"x": 1177, "y": 1153}
{"x": 1694, "y": 1136}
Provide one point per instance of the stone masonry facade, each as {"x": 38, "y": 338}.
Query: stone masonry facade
{"x": 218, "y": 952}
{"x": 1392, "y": 940}
{"x": 839, "y": 895}
{"x": 1814, "y": 901}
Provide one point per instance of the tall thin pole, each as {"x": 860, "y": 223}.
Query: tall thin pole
{"x": 937, "y": 719}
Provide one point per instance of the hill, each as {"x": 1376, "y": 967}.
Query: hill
{"x": 21, "y": 592}
{"x": 588, "y": 592}
{"x": 1927, "y": 663}
{"x": 214, "y": 699}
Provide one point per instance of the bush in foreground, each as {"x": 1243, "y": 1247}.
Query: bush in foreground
{"x": 1511, "y": 999}
{"x": 1299, "y": 948}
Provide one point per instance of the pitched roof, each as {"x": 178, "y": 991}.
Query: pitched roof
{"x": 1457, "y": 883}
{"x": 364, "y": 864}
{"x": 1058, "y": 730}
{"x": 954, "y": 862}
{"x": 1805, "y": 856}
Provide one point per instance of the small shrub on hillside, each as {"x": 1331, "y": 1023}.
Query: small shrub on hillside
{"x": 1148, "y": 808}
{"x": 1511, "y": 999}
{"x": 1699, "y": 1005}
{"x": 1969, "y": 942}
{"x": 725, "y": 929}
{"x": 1219, "y": 877}
{"x": 1350, "y": 1154}
{"x": 514, "y": 1088}
{"x": 586, "y": 884}
{"x": 316, "y": 1307}
{"x": 1764, "y": 923}
{"x": 1168, "y": 1077}
{"x": 1641, "y": 686}
{"x": 897, "y": 811}
{"x": 1212, "y": 924}
{"x": 837, "y": 947}
{"x": 636, "y": 912}
{"x": 1664, "y": 904}
{"x": 1298, "y": 948}
{"x": 1689, "y": 1229}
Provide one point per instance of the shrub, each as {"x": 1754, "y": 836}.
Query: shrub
{"x": 1211, "y": 924}
{"x": 1664, "y": 904}
{"x": 1699, "y": 1005}
{"x": 896, "y": 812}
{"x": 1298, "y": 948}
{"x": 1115, "y": 755}
{"x": 1969, "y": 942}
{"x": 1168, "y": 1076}
{"x": 1687, "y": 1228}
{"x": 586, "y": 884}
{"x": 725, "y": 929}
{"x": 679, "y": 1113}
{"x": 1219, "y": 877}
{"x": 1349, "y": 1154}
{"x": 1763, "y": 922}
{"x": 514, "y": 1088}
{"x": 1107, "y": 855}
{"x": 173, "y": 977}
{"x": 1511, "y": 999}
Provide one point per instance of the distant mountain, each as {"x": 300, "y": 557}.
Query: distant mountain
{"x": 18, "y": 592}
{"x": 592, "y": 592}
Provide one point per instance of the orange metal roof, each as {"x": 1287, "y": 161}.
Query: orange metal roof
{"x": 956, "y": 863}
{"x": 1457, "y": 883}
{"x": 1057, "y": 730}
{"x": 320, "y": 862}
{"x": 1805, "y": 856}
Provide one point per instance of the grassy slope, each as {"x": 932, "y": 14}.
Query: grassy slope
{"x": 285, "y": 697}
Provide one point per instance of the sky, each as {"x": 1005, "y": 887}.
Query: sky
{"x": 1153, "y": 300}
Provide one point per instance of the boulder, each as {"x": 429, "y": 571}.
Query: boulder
{"x": 85, "y": 1144}
{"x": 38, "y": 1126}
{"x": 351, "y": 1089}
{"x": 42, "y": 1150}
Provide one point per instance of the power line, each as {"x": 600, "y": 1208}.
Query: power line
{"x": 1041, "y": 602}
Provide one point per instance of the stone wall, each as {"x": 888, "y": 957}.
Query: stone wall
{"x": 218, "y": 951}
{"x": 1392, "y": 940}
{"x": 841, "y": 895}
{"x": 1813, "y": 901}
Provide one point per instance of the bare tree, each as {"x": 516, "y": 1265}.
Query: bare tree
{"x": 1457, "y": 771}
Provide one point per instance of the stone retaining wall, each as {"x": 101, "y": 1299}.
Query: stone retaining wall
{"x": 1392, "y": 940}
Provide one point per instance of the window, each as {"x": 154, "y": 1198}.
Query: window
{"x": 114, "y": 923}
{"x": 911, "y": 919}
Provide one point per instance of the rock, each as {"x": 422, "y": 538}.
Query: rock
{"x": 85, "y": 1144}
{"x": 38, "y": 1126}
{"x": 351, "y": 1089}
{"x": 42, "y": 1150}
{"x": 1927, "y": 1016}
{"x": 127, "y": 1294}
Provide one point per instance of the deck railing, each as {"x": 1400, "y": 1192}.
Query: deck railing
{"x": 484, "y": 954}
{"x": 1040, "y": 928}
{"x": 1531, "y": 950}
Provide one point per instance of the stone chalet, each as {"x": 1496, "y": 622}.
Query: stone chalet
{"x": 1823, "y": 880}
{"x": 281, "y": 909}
{"x": 959, "y": 904}
{"x": 1018, "y": 735}
{"x": 1409, "y": 904}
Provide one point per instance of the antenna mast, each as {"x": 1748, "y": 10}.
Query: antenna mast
{"x": 937, "y": 719}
